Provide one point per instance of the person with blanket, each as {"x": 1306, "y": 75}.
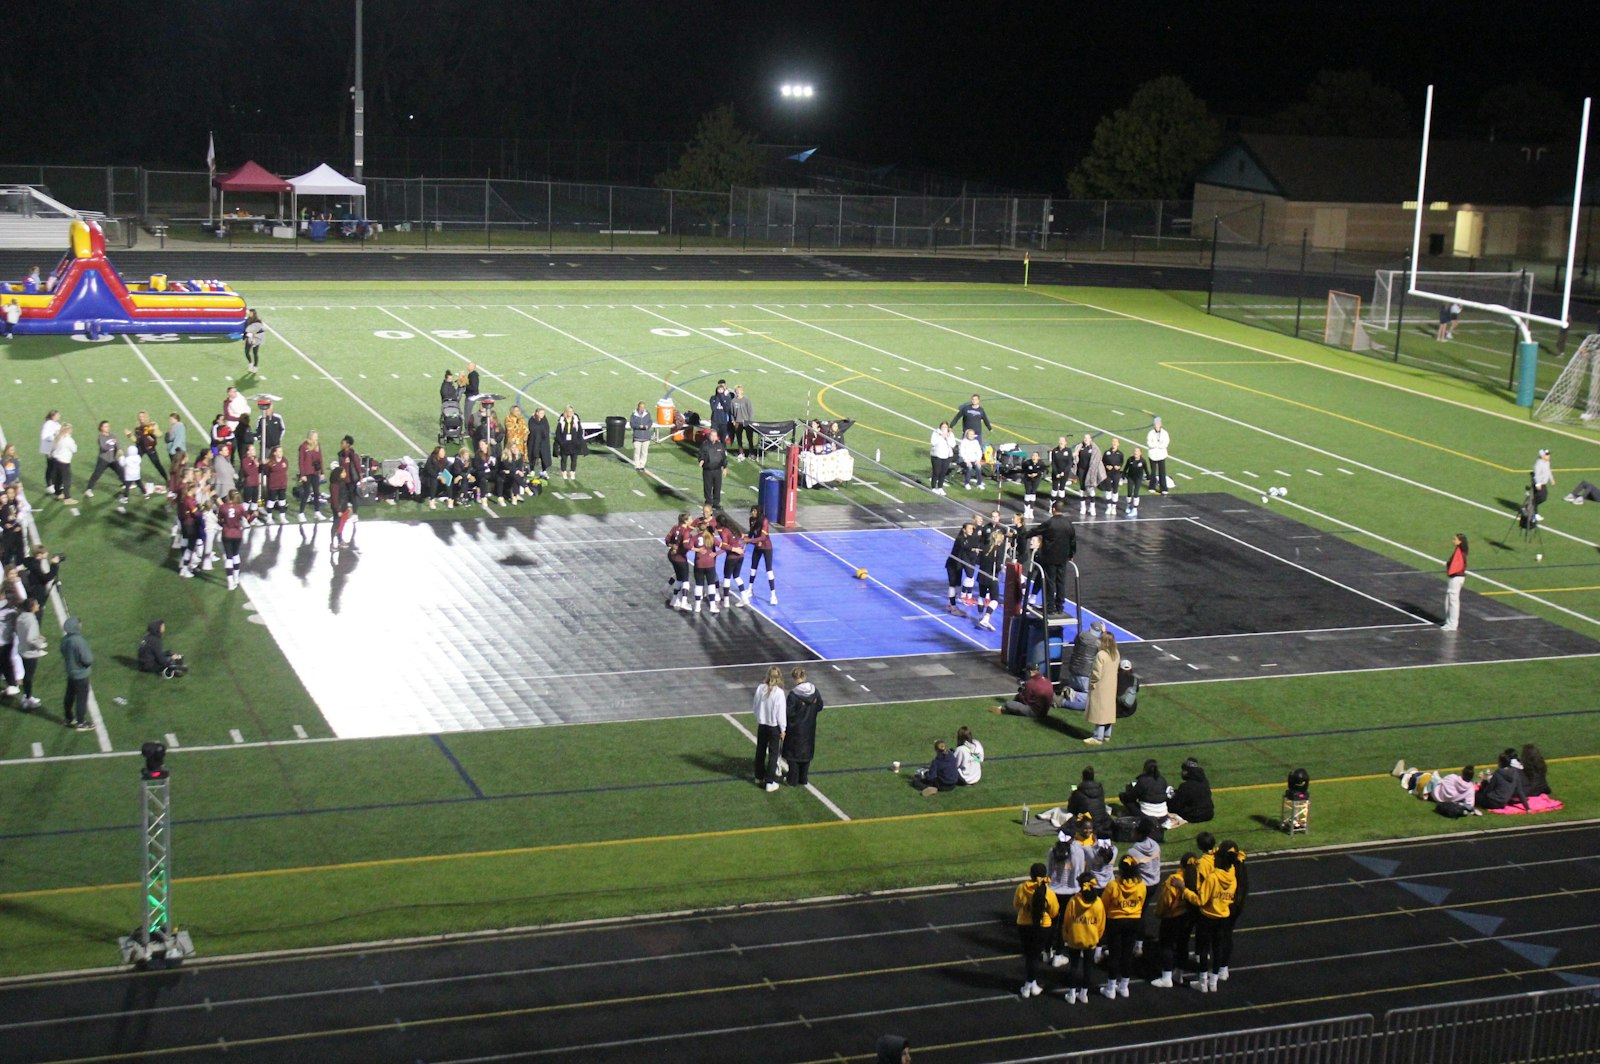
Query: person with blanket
{"x": 1438, "y": 786}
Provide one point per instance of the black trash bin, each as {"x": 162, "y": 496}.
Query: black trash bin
{"x": 616, "y": 431}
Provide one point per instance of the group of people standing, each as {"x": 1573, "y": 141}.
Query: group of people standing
{"x": 708, "y": 555}
{"x": 786, "y": 728}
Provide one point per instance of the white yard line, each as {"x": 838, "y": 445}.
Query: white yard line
{"x": 824, "y": 799}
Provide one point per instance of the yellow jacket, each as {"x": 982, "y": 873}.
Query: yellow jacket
{"x": 1082, "y": 922}
{"x": 1170, "y": 903}
{"x": 1215, "y": 896}
{"x": 1124, "y": 899}
{"x": 1023, "y": 902}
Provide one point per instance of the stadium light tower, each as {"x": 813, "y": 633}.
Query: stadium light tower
{"x": 158, "y": 941}
{"x": 796, "y": 97}
{"x": 358, "y": 99}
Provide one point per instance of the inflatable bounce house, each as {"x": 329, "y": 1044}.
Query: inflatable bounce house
{"x": 85, "y": 295}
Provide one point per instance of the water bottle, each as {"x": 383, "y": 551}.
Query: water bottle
{"x": 1024, "y": 816}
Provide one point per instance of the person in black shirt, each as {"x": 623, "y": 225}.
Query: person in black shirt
{"x": 473, "y": 388}
{"x": 1135, "y": 472}
{"x": 269, "y": 428}
{"x": 1060, "y": 469}
{"x": 448, "y": 392}
{"x": 971, "y": 415}
{"x": 1058, "y": 543}
{"x": 959, "y": 566}
{"x": 1113, "y": 460}
{"x": 713, "y": 460}
{"x": 991, "y": 559}
{"x": 1032, "y": 472}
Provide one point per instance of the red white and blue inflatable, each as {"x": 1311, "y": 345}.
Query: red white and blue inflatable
{"x": 87, "y": 296}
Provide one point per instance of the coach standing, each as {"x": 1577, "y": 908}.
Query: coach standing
{"x": 640, "y": 422}
{"x": 1058, "y": 544}
{"x": 1156, "y": 442}
{"x": 970, "y": 415}
{"x": 713, "y": 460}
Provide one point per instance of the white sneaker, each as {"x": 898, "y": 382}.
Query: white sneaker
{"x": 1109, "y": 991}
{"x": 1165, "y": 982}
{"x": 1059, "y": 961}
{"x": 746, "y": 598}
{"x": 13, "y": 690}
{"x": 772, "y": 786}
{"x": 772, "y": 599}
{"x": 679, "y": 604}
{"x": 1200, "y": 983}
{"x": 1222, "y": 974}
{"x": 31, "y": 703}
{"x": 301, "y": 518}
{"x": 714, "y": 610}
{"x": 697, "y": 605}
{"x": 1122, "y": 989}
{"x": 88, "y": 493}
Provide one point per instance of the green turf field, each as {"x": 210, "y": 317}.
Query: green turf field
{"x": 286, "y": 836}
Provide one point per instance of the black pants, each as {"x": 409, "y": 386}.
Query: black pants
{"x": 1158, "y": 475}
{"x": 311, "y": 490}
{"x": 100, "y": 466}
{"x": 1120, "y": 937}
{"x": 769, "y": 741}
{"x": 1207, "y": 940}
{"x": 744, "y": 437}
{"x": 1055, "y": 585}
{"x": 155, "y": 460}
{"x": 711, "y": 481}
{"x": 799, "y": 773}
{"x": 941, "y": 471}
{"x": 1174, "y": 941}
{"x": 569, "y": 462}
{"x": 29, "y": 667}
{"x": 63, "y": 479}
{"x": 75, "y": 705}
{"x": 1034, "y": 940}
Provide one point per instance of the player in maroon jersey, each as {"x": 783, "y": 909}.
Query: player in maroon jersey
{"x": 680, "y": 540}
{"x": 731, "y": 541}
{"x": 251, "y": 468}
{"x": 705, "y": 568}
{"x": 231, "y": 515}
{"x": 277, "y": 486}
{"x": 190, "y": 528}
{"x": 759, "y": 552}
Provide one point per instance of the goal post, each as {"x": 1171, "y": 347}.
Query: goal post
{"x": 1342, "y": 327}
{"x": 1504, "y": 289}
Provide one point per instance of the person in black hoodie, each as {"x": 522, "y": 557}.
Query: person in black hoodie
{"x": 800, "y": 740}
{"x": 893, "y": 1049}
{"x": 1507, "y": 786}
{"x": 153, "y": 654}
{"x": 1146, "y": 796}
{"x": 1089, "y": 796}
{"x": 1191, "y": 802}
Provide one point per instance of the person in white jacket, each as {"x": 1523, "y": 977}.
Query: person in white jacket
{"x": 941, "y": 449}
{"x": 129, "y": 468}
{"x": 1156, "y": 442}
{"x": 771, "y": 707}
{"x": 970, "y": 452}
{"x": 969, "y": 756}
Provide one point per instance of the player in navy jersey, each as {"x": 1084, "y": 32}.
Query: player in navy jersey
{"x": 758, "y": 549}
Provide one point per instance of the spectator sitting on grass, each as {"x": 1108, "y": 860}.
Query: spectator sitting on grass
{"x": 1089, "y": 799}
{"x": 1534, "y": 771}
{"x": 1438, "y": 786}
{"x": 1035, "y": 697}
{"x": 1191, "y": 802}
{"x": 1505, "y": 786}
{"x": 941, "y": 773}
{"x": 969, "y": 757}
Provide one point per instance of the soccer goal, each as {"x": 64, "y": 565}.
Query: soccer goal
{"x": 1342, "y": 327}
{"x": 1511, "y": 290}
{"x": 1575, "y": 396}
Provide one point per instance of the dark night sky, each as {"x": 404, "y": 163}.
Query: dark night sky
{"x": 978, "y": 89}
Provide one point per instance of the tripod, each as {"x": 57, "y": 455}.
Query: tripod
{"x": 1527, "y": 519}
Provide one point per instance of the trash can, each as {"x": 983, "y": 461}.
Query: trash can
{"x": 769, "y": 491}
{"x": 616, "y": 431}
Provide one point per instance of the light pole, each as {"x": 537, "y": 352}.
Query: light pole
{"x": 359, "y": 99}
{"x": 797, "y": 97}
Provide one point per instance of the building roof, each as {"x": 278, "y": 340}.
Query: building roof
{"x": 1384, "y": 170}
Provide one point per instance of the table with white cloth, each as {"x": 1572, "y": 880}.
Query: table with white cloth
{"x": 835, "y": 466}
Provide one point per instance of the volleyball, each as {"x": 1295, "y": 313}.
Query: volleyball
{"x": 861, "y": 574}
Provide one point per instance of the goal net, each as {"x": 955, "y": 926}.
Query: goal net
{"x": 1342, "y": 327}
{"x": 1575, "y": 396}
{"x": 1512, "y": 290}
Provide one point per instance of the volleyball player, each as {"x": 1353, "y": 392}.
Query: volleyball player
{"x": 1060, "y": 469}
{"x": 252, "y": 481}
{"x": 759, "y": 550}
{"x": 1032, "y": 472}
{"x": 680, "y": 539}
{"x": 189, "y": 528}
{"x": 705, "y": 568}
{"x": 1135, "y": 472}
{"x": 277, "y": 486}
{"x": 731, "y": 542}
{"x": 991, "y": 559}
{"x": 231, "y": 516}
{"x": 1113, "y": 461}
{"x": 959, "y": 565}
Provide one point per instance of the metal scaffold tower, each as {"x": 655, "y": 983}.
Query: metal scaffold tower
{"x": 157, "y": 941}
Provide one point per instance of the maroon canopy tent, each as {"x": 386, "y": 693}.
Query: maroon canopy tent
{"x": 250, "y": 177}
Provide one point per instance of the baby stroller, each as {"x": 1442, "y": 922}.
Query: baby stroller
{"x": 452, "y": 426}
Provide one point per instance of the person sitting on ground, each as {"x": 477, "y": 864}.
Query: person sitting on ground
{"x": 969, "y": 757}
{"x": 1439, "y": 786}
{"x": 1191, "y": 802}
{"x": 1089, "y": 799}
{"x": 941, "y": 773}
{"x": 1035, "y": 697}
{"x": 1504, "y": 787}
{"x": 155, "y": 657}
{"x": 1146, "y": 796}
{"x": 1534, "y": 771}
{"x": 1584, "y": 492}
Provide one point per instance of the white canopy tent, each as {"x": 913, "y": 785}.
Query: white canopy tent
{"x": 326, "y": 181}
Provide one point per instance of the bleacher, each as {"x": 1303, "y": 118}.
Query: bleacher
{"x": 29, "y": 218}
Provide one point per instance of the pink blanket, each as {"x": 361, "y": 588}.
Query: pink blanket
{"x": 1539, "y": 803}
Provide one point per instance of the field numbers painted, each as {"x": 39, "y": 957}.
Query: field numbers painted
{"x": 443, "y": 334}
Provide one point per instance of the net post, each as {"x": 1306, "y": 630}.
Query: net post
{"x": 1300, "y": 293}
{"x": 1400, "y": 314}
{"x": 1527, "y": 372}
{"x": 1211, "y": 276}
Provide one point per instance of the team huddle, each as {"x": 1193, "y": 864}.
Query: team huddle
{"x": 708, "y": 556}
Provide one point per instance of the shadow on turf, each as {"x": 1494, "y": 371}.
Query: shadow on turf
{"x": 721, "y": 764}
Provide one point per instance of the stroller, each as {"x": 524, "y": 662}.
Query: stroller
{"x": 452, "y": 426}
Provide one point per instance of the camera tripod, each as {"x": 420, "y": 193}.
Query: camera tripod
{"x": 1526, "y": 519}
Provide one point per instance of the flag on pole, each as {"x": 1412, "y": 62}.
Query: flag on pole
{"x": 211, "y": 155}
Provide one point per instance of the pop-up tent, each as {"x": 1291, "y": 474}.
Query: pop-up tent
{"x": 250, "y": 178}
{"x": 326, "y": 181}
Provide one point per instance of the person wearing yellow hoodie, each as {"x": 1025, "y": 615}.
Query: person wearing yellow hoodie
{"x": 1083, "y": 923}
{"x": 1124, "y": 905}
{"x": 1213, "y": 897}
{"x": 1177, "y": 921}
{"x": 1037, "y": 911}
